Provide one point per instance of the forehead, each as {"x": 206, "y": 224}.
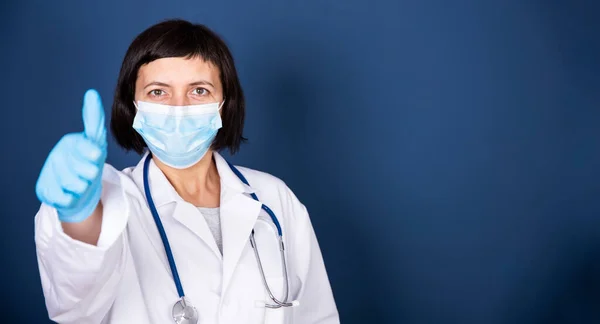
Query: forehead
{"x": 178, "y": 70}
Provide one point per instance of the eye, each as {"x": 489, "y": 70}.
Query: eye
{"x": 201, "y": 91}
{"x": 156, "y": 93}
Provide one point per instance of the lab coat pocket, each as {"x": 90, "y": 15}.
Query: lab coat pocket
{"x": 267, "y": 245}
{"x": 274, "y": 315}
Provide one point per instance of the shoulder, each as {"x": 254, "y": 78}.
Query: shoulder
{"x": 279, "y": 197}
{"x": 271, "y": 188}
{"x": 262, "y": 180}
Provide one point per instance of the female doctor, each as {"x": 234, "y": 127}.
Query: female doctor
{"x": 183, "y": 236}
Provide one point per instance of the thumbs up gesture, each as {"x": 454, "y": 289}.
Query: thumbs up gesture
{"x": 71, "y": 178}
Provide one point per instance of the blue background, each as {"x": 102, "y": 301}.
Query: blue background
{"x": 448, "y": 151}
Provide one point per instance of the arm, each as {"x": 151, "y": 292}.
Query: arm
{"x": 80, "y": 280}
{"x": 79, "y": 229}
{"x": 87, "y": 231}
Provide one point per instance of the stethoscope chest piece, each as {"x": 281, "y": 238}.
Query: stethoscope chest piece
{"x": 184, "y": 313}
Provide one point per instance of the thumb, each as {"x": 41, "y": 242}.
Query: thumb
{"x": 93, "y": 117}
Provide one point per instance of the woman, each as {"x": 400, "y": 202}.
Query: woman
{"x": 177, "y": 238}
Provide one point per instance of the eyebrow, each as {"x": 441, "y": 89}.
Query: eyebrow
{"x": 161, "y": 84}
{"x": 202, "y": 82}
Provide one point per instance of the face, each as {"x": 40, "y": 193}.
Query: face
{"x": 179, "y": 82}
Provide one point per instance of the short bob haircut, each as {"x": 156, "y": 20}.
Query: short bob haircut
{"x": 178, "y": 38}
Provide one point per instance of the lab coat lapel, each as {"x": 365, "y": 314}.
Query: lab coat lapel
{"x": 239, "y": 213}
{"x": 238, "y": 216}
{"x": 189, "y": 216}
{"x": 169, "y": 204}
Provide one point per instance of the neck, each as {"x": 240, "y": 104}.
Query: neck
{"x": 199, "y": 185}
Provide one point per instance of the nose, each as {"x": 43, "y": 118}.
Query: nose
{"x": 179, "y": 98}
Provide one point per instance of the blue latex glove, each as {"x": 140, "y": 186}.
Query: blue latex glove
{"x": 71, "y": 178}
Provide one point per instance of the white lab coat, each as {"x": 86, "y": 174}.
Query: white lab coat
{"x": 126, "y": 278}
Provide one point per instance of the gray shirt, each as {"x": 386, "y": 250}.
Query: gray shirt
{"x": 213, "y": 220}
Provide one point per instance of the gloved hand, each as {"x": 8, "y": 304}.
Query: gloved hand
{"x": 71, "y": 178}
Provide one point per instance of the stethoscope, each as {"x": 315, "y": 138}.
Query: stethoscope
{"x": 183, "y": 311}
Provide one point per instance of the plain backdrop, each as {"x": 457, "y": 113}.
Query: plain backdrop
{"x": 447, "y": 151}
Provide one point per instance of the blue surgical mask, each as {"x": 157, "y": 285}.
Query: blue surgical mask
{"x": 179, "y": 136}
